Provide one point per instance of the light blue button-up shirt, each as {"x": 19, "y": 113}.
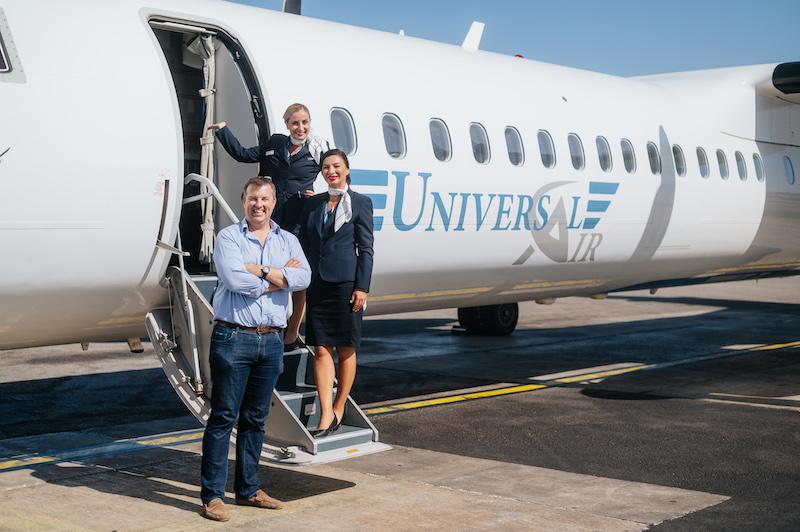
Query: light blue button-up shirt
{"x": 241, "y": 297}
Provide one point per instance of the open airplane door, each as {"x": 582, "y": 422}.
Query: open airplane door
{"x": 181, "y": 337}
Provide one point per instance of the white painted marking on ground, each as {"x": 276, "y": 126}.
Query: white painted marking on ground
{"x": 757, "y": 405}
{"x": 741, "y": 347}
{"x": 786, "y": 398}
{"x": 583, "y": 371}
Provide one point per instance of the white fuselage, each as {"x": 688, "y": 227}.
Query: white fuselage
{"x": 94, "y": 175}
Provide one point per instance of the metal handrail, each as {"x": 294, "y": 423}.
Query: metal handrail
{"x": 198, "y": 384}
{"x": 213, "y": 191}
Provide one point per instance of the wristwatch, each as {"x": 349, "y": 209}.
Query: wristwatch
{"x": 264, "y": 272}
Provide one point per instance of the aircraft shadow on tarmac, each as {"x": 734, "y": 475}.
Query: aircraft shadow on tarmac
{"x": 430, "y": 361}
{"x": 408, "y": 357}
{"x": 169, "y": 477}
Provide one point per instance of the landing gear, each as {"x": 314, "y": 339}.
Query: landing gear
{"x": 489, "y": 320}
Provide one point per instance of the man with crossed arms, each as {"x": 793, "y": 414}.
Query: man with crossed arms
{"x": 258, "y": 265}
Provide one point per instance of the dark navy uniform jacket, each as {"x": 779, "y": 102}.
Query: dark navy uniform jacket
{"x": 291, "y": 174}
{"x": 344, "y": 255}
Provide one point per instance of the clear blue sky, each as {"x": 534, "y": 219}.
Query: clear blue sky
{"x": 622, "y": 37}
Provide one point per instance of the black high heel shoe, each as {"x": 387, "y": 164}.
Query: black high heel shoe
{"x": 338, "y": 423}
{"x": 325, "y": 432}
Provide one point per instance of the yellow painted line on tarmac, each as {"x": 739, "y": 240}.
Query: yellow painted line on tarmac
{"x": 172, "y": 440}
{"x": 772, "y": 347}
{"x": 454, "y": 399}
{"x": 25, "y": 462}
{"x": 104, "y": 449}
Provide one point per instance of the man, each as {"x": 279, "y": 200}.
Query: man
{"x": 258, "y": 264}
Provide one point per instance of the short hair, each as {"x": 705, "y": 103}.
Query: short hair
{"x": 259, "y": 182}
{"x": 332, "y": 152}
{"x": 292, "y": 109}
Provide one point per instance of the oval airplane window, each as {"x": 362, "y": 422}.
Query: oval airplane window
{"x": 759, "y": 167}
{"x": 787, "y": 165}
{"x": 702, "y": 162}
{"x": 722, "y": 161}
{"x": 628, "y": 156}
{"x": 344, "y": 130}
{"x": 575, "y": 151}
{"x": 394, "y": 136}
{"x": 741, "y": 166}
{"x": 480, "y": 143}
{"x": 603, "y": 154}
{"x": 680, "y": 161}
{"x": 440, "y": 139}
{"x": 516, "y": 152}
{"x": 546, "y": 149}
{"x": 5, "y": 64}
{"x": 655, "y": 158}
{"x": 10, "y": 61}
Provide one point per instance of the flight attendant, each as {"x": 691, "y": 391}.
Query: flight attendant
{"x": 336, "y": 234}
{"x": 293, "y": 164}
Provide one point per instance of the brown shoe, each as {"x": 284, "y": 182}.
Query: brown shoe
{"x": 216, "y": 510}
{"x": 261, "y": 500}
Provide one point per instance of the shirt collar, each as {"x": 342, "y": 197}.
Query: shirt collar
{"x": 246, "y": 230}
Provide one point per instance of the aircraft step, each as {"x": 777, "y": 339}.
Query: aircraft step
{"x": 304, "y": 404}
{"x": 181, "y": 336}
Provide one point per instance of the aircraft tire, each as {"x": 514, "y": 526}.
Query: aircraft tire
{"x": 489, "y": 320}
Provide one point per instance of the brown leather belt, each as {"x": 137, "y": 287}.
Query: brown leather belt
{"x": 259, "y": 330}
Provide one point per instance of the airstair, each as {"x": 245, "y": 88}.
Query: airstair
{"x": 181, "y": 337}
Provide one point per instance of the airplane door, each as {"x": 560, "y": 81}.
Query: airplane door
{"x": 214, "y": 82}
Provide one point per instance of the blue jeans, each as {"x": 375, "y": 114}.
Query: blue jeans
{"x": 244, "y": 369}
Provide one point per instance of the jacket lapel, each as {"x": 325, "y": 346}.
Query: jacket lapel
{"x": 317, "y": 213}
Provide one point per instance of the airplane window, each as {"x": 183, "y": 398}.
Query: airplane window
{"x": 4, "y": 63}
{"x": 702, "y": 161}
{"x": 741, "y": 166}
{"x": 723, "y": 164}
{"x": 394, "y": 137}
{"x": 680, "y": 161}
{"x": 344, "y": 130}
{"x": 480, "y": 143}
{"x": 516, "y": 153}
{"x": 759, "y": 167}
{"x": 787, "y": 165}
{"x": 440, "y": 139}
{"x": 603, "y": 153}
{"x": 546, "y": 149}
{"x": 655, "y": 159}
{"x": 575, "y": 151}
{"x": 628, "y": 155}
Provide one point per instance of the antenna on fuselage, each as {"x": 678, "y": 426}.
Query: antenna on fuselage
{"x": 473, "y": 39}
{"x": 291, "y": 6}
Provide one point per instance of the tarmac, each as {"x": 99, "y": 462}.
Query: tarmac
{"x": 673, "y": 411}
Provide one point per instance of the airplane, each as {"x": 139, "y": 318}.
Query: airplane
{"x": 495, "y": 179}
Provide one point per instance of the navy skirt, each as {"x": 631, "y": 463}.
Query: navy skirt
{"x": 330, "y": 320}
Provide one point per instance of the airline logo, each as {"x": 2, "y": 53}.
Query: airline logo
{"x": 552, "y": 215}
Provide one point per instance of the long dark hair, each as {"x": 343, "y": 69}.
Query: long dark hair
{"x": 340, "y": 153}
